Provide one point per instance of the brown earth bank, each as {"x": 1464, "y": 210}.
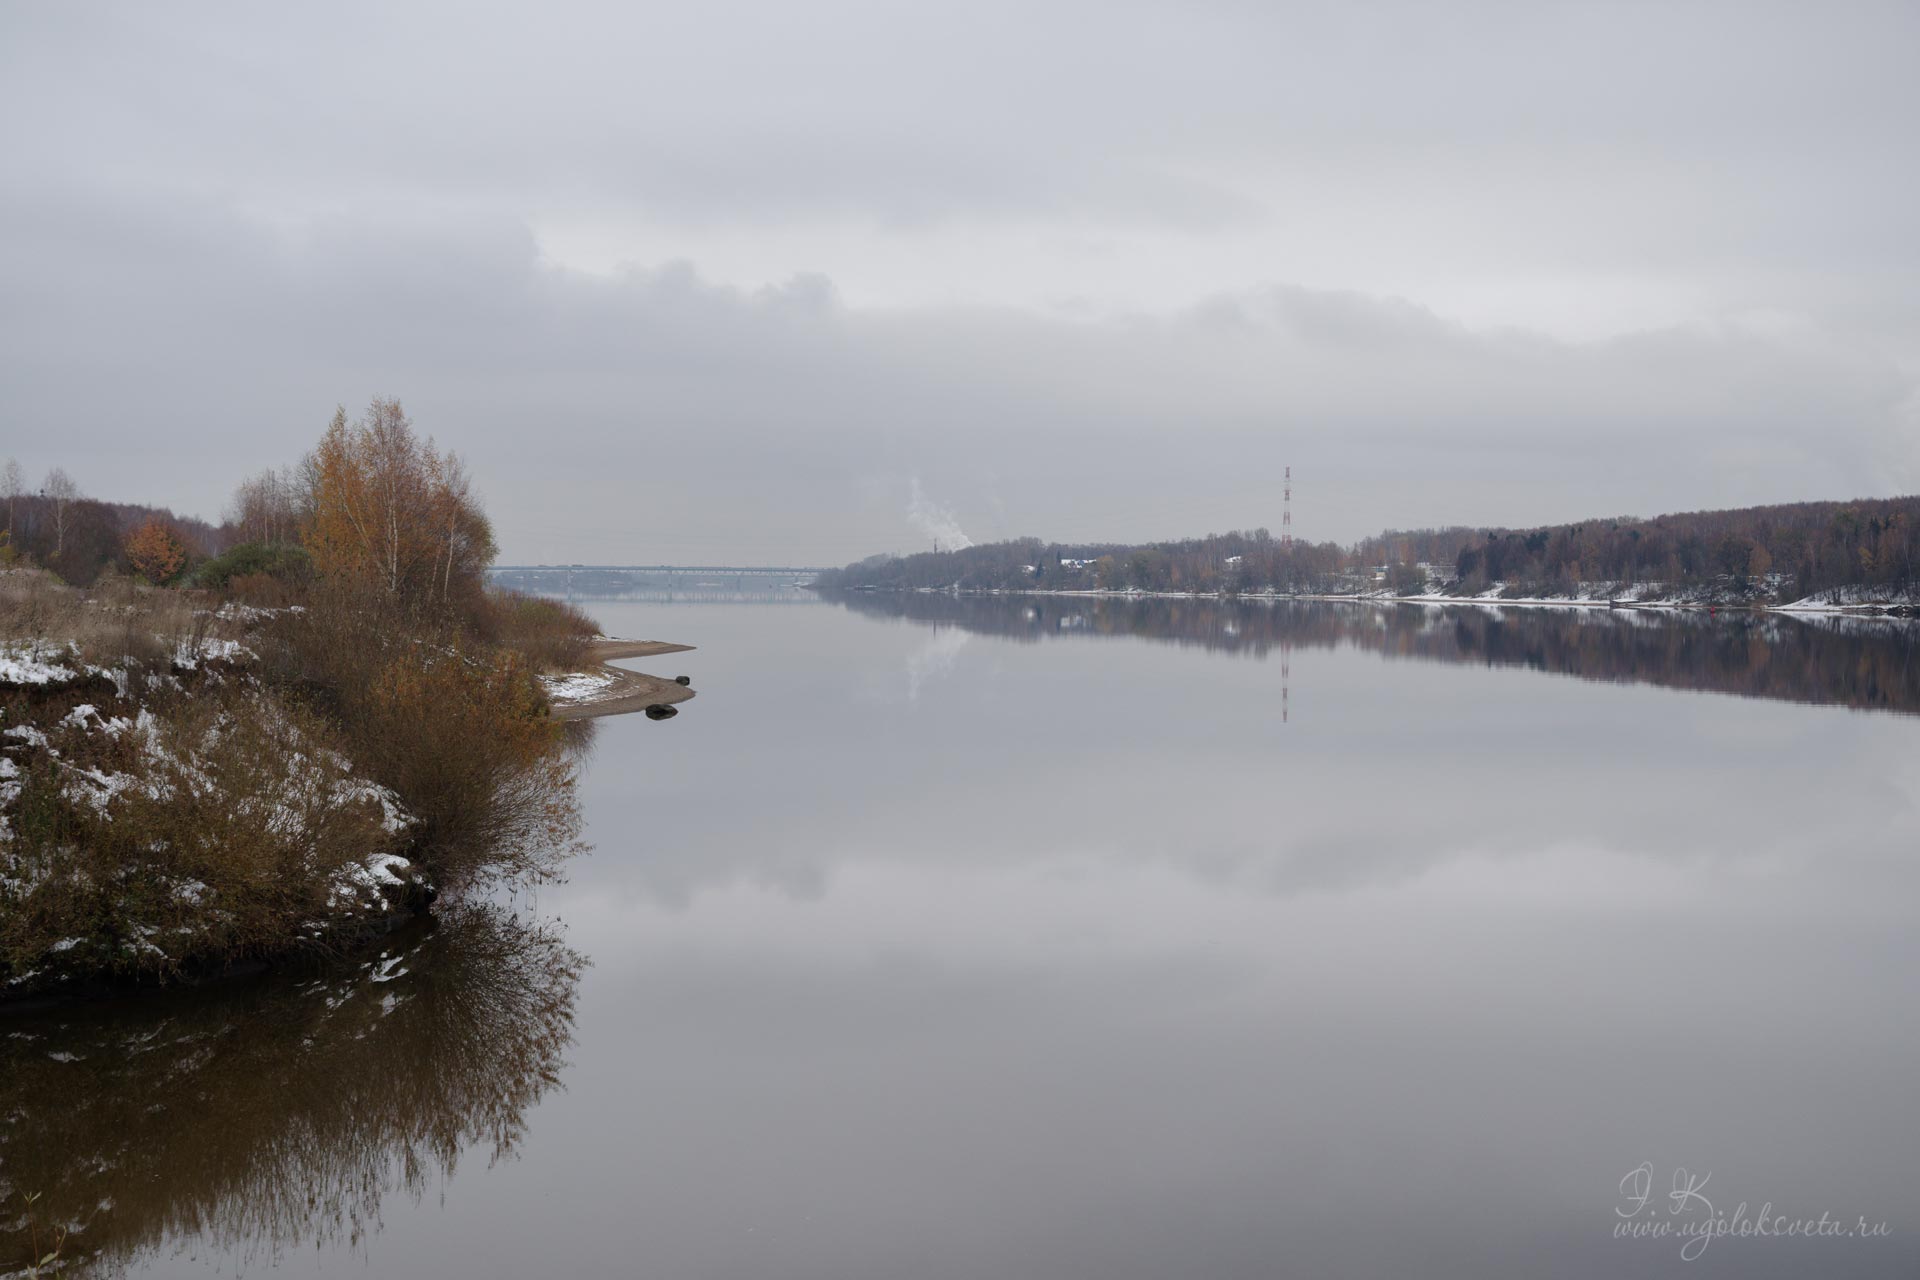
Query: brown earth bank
{"x": 628, "y": 691}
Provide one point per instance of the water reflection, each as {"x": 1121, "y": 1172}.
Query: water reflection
{"x": 1865, "y": 663}
{"x": 1068, "y": 960}
{"x": 269, "y": 1113}
{"x": 578, "y": 738}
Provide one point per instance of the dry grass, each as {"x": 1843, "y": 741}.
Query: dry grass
{"x": 115, "y": 621}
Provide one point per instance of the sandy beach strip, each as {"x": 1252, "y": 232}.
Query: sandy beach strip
{"x": 600, "y": 689}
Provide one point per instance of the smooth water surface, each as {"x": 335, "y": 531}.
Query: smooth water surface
{"x": 1004, "y": 938}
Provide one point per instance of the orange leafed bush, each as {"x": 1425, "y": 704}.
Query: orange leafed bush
{"x": 156, "y": 552}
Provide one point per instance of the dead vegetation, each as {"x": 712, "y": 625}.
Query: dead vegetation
{"x": 552, "y": 635}
{"x": 456, "y": 726}
{"x": 195, "y": 776}
{"x": 117, "y": 619}
{"x": 207, "y": 819}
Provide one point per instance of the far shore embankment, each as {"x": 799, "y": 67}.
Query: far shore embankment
{"x": 602, "y": 689}
{"x": 1799, "y": 608}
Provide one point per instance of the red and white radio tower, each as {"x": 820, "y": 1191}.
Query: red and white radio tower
{"x": 1286, "y": 512}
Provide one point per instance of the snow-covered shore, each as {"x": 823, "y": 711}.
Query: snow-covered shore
{"x": 1850, "y": 600}
{"x": 606, "y": 690}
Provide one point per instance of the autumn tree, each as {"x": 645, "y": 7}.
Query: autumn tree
{"x": 390, "y": 513}
{"x": 156, "y": 552}
{"x": 463, "y": 538}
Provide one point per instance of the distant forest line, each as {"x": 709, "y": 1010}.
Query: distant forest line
{"x": 79, "y": 538}
{"x": 1776, "y": 553}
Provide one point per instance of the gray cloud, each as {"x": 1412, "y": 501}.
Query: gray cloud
{"x": 1086, "y": 271}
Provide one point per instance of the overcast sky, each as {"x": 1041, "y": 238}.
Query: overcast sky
{"x": 724, "y": 282}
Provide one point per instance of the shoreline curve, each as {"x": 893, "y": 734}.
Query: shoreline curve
{"x": 620, "y": 691}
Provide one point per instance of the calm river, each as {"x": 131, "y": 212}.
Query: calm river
{"x": 1074, "y": 940}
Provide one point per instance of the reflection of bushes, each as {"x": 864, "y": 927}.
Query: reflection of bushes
{"x": 277, "y": 1112}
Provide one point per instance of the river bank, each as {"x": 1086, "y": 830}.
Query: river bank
{"x": 192, "y": 785}
{"x": 602, "y": 689}
{"x": 1811, "y": 606}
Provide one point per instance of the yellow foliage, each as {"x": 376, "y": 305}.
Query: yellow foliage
{"x": 392, "y": 513}
{"x": 155, "y": 551}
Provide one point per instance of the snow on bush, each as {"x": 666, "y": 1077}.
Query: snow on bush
{"x": 221, "y": 821}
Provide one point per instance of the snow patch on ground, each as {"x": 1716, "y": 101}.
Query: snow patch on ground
{"x": 29, "y": 734}
{"x": 1851, "y": 598}
{"x": 34, "y": 664}
{"x": 377, "y": 872}
{"x": 79, "y": 717}
{"x": 189, "y": 654}
{"x": 393, "y": 818}
{"x": 247, "y": 614}
{"x": 578, "y": 686}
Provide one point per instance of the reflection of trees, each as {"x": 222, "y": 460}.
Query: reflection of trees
{"x": 578, "y": 738}
{"x": 1854, "y": 662}
{"x": 273, "y": 1112}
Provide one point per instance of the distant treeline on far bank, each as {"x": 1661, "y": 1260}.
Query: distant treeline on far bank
{"x": 1774, "y": 554}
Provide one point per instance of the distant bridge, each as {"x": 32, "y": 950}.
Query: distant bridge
{"x": 709, "y": 583}
{"x": 690, "y": 595}
{"x": 734, "y": 570}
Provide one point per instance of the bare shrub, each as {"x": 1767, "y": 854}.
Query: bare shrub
{"x": 464, "y": 737}
{"x": 215, "y": 822}
{"x": 458, "y": 730}
{"x": 552, "y": 634}
{"x": 264, "y": 591}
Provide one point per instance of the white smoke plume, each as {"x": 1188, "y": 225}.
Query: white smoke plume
{"x": 935, "y": 521}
